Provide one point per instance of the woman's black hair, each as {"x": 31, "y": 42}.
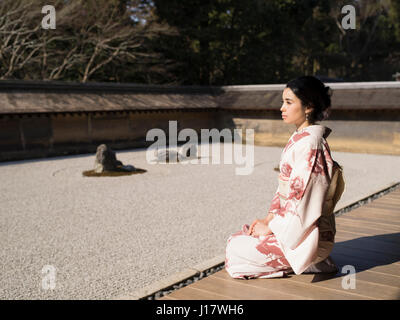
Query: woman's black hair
{"x": 312, "y": 93}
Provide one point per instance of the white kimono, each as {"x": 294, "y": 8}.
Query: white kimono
{"x": 299, "y": 240}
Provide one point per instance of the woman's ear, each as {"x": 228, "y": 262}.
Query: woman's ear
{"x": 309, "y": 109}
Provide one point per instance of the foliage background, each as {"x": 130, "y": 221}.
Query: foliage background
{"x": 199, "y": 42}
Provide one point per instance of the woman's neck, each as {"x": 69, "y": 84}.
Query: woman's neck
{"x": 303, "y": 125}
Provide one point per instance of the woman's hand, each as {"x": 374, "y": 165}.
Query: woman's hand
{"x": 259, "y": 228}
{"x": 269, "y": 217}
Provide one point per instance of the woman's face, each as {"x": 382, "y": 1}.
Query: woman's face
{"x": 292, "y": 109}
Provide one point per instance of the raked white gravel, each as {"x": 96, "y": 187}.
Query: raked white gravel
{"x": 114, "y": 235}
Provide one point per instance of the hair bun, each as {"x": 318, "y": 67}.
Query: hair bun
{"x": 326, "y": 97}
{"x": 328, "y": 90}
{"x": 326, "y": 107}
{"x": 325, "y": 114}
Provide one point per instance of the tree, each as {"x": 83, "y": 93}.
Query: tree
{"x": 91, "y": 37}
{"x": 199, "y": 42}
{"x": 19, "y": 45}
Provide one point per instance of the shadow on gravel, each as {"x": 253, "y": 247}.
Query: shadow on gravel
{"x": 91, "y": 173}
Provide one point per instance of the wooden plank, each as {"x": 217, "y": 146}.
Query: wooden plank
{"x": 372, "y": 243}
{"x": 374, "y": 218}
{"x": 374, "y": 228}
{"x": 384, "y": 210}
{"x": 394, "y": 194}
{"x": 378, "y": 207}
{"x": 363, "y": 264}
{"x": 190, "y": 293}
{"x": 385, "y": 206}
{"x": 370, "y": 220}
{"x": 395, "y": 207}
{"x": 364, "y": 250}
{"x": 388, "y": 215}
{"x": 391, "y": 197}
{"x": 379, "y": 211}
{"x": 363, "y": 288}
{"x": 241, "y": 289}
{"x": 386, "y": 238}
{"x": 388, "y": 198}
{"x": 370, "y": 276}
{"x": 285, "y": 285}
{"x": 372, "y": 214}
{"x": 366, "y": 232}
{"x": 383, "y": 202}
{"x": 394, "y": 204}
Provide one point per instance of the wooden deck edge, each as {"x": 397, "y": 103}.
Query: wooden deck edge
{"x": 353, "y": 204}
{"x": 174, "y": 280}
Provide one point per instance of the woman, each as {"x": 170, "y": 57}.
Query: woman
{"x": 299, "y": 229}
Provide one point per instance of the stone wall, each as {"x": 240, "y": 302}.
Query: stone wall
{"x": 376, "y": 132}
{"x": 42, "y": 119}
{"x": 31, "y": 136}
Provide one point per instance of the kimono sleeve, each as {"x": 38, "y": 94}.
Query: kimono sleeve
{"x": 275, "y": 203}
{"x": 308, "y": 183}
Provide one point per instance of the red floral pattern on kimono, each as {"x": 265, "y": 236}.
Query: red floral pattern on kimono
{"x": 305, "y": 174}
{"x": 286, "y": 169}
{"x": 290, "y": 142}
{"x": 287, "y": 208}
{"x": 294, "y": 138}
{"x": 321, "y": 160}
{"x": 327, "y": 156}
{"x": 311, "y": 163}
{"x": 296, "y": 188}
{"x": 298, "y": 136}
{"x": 249, "y": 257}
{"x": 275, "y": 204}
